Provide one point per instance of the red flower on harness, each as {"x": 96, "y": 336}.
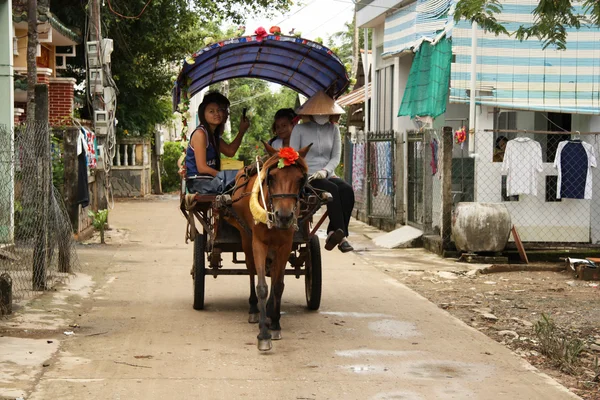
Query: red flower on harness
{"x": 275, "y": 30}
{"x": 287, "y": 157}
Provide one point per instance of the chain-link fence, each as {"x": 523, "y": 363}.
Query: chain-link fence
{"x": 381, "y": 183}
{"x": 546, "y": 183}
{"x": 36, "y": 236}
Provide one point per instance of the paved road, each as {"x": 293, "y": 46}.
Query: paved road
{"x": 372, "y": 339}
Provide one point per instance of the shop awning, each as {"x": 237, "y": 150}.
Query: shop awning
{"x": 357, "y": 96}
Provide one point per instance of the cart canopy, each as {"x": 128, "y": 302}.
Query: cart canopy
{"x": 297, "y": 63}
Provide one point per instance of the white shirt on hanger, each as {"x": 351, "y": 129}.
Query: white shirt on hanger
{"x": 522, "y": 162}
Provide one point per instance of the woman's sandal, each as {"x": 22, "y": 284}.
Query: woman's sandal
{"x": 333, "y": 239}
{"x": 345, "y": 247}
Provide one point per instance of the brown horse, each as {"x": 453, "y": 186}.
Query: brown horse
{"x": 267, "y": 220}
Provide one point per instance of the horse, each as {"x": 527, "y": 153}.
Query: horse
{"x": 266, "y": 219}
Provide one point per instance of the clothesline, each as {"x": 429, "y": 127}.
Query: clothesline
{"x": 540, "y": 132}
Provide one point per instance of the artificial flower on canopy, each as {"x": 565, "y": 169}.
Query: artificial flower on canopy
{"x": 260, "y": 33}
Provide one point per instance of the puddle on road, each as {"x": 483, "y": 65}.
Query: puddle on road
{"x": 355, "y": 314}
{"x": 402, "y": 395}
{"x": 368, "y": 369}
{"x": 436, "y": 370}
{"x": 360, "y": 353}
{"x": 394, "y": 329}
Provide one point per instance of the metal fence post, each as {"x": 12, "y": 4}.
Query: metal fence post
{"x": 427, "y": 185}
{"x": 43, "y": 182}
{"x": 446, "y": 229}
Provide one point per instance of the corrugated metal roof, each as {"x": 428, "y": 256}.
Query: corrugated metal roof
{"x": 357, "y": 96}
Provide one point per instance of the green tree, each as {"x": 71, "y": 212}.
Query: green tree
{"x": 262, "y": 103}
{"x": 148, "y": 50}
{"x": 552, "y": 18}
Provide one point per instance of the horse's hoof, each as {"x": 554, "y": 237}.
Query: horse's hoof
{"x": 276, "y": 335}
{"x": 253, "y": 318}
{"x": 264, "y": 344}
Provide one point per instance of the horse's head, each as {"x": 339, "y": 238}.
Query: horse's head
{"x": 286, "y": 177}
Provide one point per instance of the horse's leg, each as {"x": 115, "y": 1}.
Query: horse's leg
{"x": 253, "y": 300}
{"x": 277, "y": 285}
{"x": 260, "y": 255}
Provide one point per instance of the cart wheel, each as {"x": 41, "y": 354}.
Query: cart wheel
{"x": 199, "y": 272}
{"x": 312, "y": 279}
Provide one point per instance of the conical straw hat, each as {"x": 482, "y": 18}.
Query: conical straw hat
{"x": 320, "y": 104}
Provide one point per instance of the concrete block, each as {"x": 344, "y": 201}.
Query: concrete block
{"x": 401, "y": 237}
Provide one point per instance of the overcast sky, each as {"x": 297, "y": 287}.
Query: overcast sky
{"x": 313, "y": 18}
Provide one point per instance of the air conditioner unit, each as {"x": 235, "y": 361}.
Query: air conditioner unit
{"x": 100, "y": 119}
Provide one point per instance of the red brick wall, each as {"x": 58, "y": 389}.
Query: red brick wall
{"x": 61, "y": 102}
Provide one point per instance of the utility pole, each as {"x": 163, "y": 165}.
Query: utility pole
{"x": 7, "y": 198}
{"x": 102, "y": 94}
{"x": 355, "y": 46}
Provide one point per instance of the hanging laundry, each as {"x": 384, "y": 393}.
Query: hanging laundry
{"x": 92, "y": 147}
{"x": 574, "y": 160}
{"x": 522, "y": 162}
{"x": 358, "y": 167}
{"x": 384, "y": 168}
{"x": 83, "y": 192}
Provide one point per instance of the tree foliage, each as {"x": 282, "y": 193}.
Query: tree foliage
{"x": 262, "y": 103}
{"x": 552, "y": 19}
{"x": 148, "y": 50}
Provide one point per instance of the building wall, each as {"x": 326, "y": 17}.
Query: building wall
{"x": 21, "y": 59}
{"x": 569, "y": 220}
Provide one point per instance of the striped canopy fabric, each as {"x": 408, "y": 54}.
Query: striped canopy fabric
{"x": 423, "y": 20}
{"x": 302, "y": 65}
{"x": 521, "y": 75}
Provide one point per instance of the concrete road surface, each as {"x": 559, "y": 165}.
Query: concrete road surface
{"x": 372, "y": 339}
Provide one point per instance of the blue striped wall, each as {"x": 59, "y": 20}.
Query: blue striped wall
{"x": 521, "y": 75}
{"x": 513, "y": 74}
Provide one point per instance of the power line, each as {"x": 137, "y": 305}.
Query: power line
{"x": 296, "y": 12}
{"x": 126, "y": 16}
{"x": 394, "y": 8}
{"x": 330, "y": 19}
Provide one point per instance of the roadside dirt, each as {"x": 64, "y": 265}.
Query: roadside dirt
{"x": 506, "y": 307}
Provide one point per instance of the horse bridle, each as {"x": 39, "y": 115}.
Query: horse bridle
{"x": 296, "y": 196}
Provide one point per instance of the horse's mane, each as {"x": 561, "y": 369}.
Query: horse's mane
{"x": 274, "y": 160}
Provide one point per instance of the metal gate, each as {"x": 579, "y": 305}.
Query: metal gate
{"x": 416, "y": 147}
{"x": 381, "y": 181}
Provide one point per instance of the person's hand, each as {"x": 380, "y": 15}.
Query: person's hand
{"x": 182, "y": 171}
{"x": 244, "y": 125}
{"x": 322, "y": 174}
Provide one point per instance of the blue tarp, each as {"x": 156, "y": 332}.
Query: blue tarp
{"x": 297, "y": 63}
